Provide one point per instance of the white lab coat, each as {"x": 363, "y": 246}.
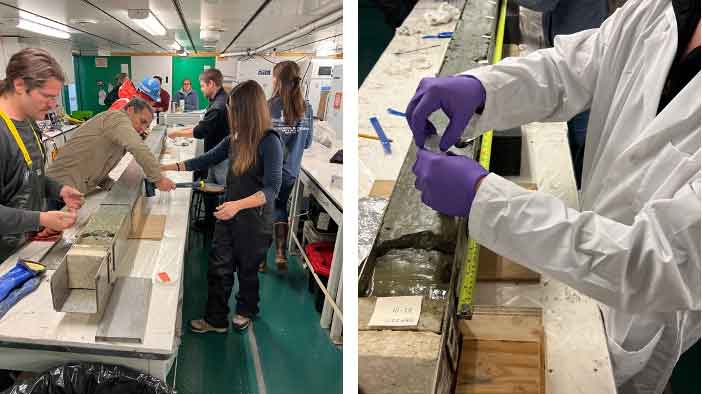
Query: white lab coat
{"x": 634, "y": 246}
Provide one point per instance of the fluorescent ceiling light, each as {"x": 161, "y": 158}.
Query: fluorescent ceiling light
{"x": 41, "y": 29}
{"x": 152, "y": 25}
{"x": 43, "y": 26}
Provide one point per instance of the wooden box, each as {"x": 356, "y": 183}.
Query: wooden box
{"x": 502, "y": 352}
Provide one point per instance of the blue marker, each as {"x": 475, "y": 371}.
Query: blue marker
{"x": 446, "y": 34}
{"x": 381, "y": 135}
{"x": 395, "y": 112}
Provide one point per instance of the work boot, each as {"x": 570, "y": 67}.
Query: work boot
{"x": 201, "y": 326}
{"x": 281, "y": 241}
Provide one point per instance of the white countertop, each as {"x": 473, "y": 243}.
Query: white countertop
{"x": 315, "y": 163}
{"x": 34, "y": 321}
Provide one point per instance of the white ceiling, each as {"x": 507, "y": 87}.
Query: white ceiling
{"x": 114, "y": 30}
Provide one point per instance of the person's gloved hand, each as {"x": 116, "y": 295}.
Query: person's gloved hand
{"x": 458, "y": 97}
{"x": 447, "y": 182}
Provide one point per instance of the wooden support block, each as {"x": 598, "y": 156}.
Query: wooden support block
{"x": 493, "y": 267}
{"x": 149, "y": 227}
{"x": 503, "y": 352}
{"x": 145, "y": 226}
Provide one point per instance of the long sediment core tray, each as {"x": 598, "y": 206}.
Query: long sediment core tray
{"x": 425, "y": 360}
{"x": 407, "y": 222}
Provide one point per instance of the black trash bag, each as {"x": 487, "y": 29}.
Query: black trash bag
{"x": 88, "y": 378}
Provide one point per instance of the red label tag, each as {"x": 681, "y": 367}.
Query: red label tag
{"x": 164, "y": 277}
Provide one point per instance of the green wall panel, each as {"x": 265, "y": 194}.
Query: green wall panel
{"x": 88, "y": 75}
{"x": 190, "y": 68}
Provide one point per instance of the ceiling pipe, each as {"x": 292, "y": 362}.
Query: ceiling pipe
{"x": 176, "y": 4}
{"x": 246, "y": 25}
{"x": 320, "y": 23}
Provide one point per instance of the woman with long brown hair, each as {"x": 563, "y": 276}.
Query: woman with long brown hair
{"x": 292, "y": 119}
{"x": 242, "y": 233}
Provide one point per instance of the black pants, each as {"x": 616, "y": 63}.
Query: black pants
{"x": 238, "y": 246}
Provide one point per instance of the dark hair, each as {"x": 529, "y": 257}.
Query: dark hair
{"x": 119, "y": 78}
{"x": 287, "y": 87}
{"x": 187, "y": 79}
{"x": 212, "y": 74}
{"x": 33, "y": 65}
{"x": 249, "y": 118}
{"x": 160, "y": 81}
{"x": 139, "y": 105}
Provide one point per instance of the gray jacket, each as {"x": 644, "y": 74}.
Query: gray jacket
{"x": 192, "y": 102}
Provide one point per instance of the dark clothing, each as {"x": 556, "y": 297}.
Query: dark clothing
{"x": 112, "y": 96}
{"x": 235, "y": 248}
{"x": 165, "y": 102}
{"x": 577, "y": 129}
{"x": 687, "y": 16}
{"x": 213, "y": 127}
{"x": 395, "y": 11}
{"x": 241, "y": 243}
{"x": 684, "y": 68}
{"x": 23, "y": 190}
{"x": 567, "y": 17}
{"x": 192, "y": 102}
{"x": 269, "y": 151}
{"x": 295, "y": 140}
{"x": 281, "y": 202}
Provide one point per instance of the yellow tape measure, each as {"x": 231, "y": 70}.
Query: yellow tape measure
{"x": 470, "y": 265}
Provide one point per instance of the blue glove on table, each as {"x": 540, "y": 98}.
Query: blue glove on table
{"x": 17, "y": 276}
{"x": 447, "y": 181}
{"x": 459, "y": 97}
{"x": 17, "y": 294}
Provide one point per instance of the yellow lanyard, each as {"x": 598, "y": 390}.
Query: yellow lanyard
{"x": 19, "y": 141}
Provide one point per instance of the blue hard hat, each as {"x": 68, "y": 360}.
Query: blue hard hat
{"x": 150, "y": 87}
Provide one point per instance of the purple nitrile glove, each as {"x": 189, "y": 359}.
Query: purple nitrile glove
{"x": 447, "y": 181}
{"x": 459, "y": 97}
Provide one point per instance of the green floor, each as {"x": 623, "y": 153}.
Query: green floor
{"x": 374, "y": 35}
{"x": 296, "y": 355}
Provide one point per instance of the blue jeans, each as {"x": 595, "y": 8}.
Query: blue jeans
{"x": 577, "y": 129}
{"x": 280, "y": 213}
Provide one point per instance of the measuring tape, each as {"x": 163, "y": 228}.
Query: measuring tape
{"x": 470, "y": 265}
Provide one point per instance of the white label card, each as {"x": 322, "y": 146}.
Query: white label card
{"x": 396, "y": 311}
